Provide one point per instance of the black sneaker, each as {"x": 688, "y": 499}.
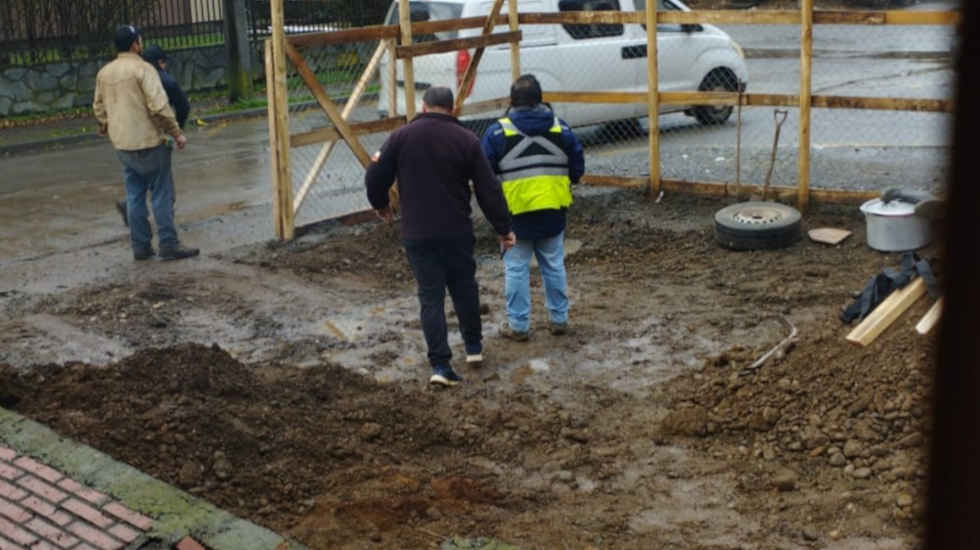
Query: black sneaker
{"x": 141, "y": 255}
{"x": 474, "y": 355}
{"x": 121, "y": 208}
{"x": 444, "y": 375}
{"x": 178, "y": 252}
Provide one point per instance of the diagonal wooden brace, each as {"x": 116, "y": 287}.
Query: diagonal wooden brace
{"x": 352, "y": 101}
{"x": 470, "y": 74}
{"x": 329, "y": 107}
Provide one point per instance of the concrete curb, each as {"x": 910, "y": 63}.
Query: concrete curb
{"x": 43, "y": 144}
{"x": 176, "y": 513}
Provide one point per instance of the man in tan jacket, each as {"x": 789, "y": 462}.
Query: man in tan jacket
{"x": 132, "y": 109}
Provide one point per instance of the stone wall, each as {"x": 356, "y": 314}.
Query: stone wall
{"x": 59, "y": 86}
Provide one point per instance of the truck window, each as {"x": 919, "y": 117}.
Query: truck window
{"x": 662, "y": 5}
{"x": 586, "y": 31}
{"x": 428, "y": 11}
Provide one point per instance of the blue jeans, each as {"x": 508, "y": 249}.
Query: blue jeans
{"x": 517, "y": 263}
{"x": 149, "y": 170}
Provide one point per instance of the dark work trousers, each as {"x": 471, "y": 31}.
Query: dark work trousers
{"x": 438, "y": 264}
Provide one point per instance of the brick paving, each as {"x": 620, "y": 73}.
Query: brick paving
{"x": 41, "y": 508}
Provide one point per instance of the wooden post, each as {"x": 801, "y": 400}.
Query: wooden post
{"x": 515, "y": 48}
{"x": 284, "y": 181}
{"x": 270, "y": 90}
{"x": 405, "y": 21}
{"x": 806, "y": 81}
{"x": 653, "y": 99}
{"x": 392, "y": 77}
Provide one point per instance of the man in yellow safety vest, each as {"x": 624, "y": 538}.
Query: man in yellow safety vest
{"x": 537, "y": 158}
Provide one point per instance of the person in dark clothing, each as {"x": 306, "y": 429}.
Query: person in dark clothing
{"x": 538, "y": 158}
{"x": 154, "y": 55}
{"x": 434, "y": 158}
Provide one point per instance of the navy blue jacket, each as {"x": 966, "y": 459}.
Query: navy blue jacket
{"x": 535, "y": 121}
{"x": 175, "y": 95}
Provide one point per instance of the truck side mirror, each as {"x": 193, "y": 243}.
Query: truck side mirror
{"x": 691, "y": 27}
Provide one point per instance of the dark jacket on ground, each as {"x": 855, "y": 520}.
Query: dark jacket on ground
{"x": 175, "y": 96}
{"x": 434, "y": 158}
{"x": 537, "y": 121}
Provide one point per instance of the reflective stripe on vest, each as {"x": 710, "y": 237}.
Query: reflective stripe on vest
{"x": 538, "y": 181}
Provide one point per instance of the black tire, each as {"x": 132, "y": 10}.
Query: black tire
{"x": 718, "y": 80}
{"x": 757, "y": 225}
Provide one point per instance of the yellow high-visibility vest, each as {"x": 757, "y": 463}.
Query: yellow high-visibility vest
{"x": 534, "y": 170}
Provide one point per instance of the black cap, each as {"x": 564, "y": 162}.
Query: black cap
{"x": 125, "y": 36}
{"x": 525, "y": 92}
{"x": 154, "y": 53}
{"x": 439, "y": 96}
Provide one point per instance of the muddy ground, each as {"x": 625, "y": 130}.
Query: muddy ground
{"x": 286, "y": 383}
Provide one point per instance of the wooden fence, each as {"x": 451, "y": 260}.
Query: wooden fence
{"x": 279, "y": 47}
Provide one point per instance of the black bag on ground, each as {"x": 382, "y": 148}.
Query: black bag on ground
{"x": 888, "y": 281}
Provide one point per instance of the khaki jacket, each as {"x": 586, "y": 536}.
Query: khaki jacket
{"x": 131, "y": 104}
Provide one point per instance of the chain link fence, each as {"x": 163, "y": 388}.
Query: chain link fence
{"x": 851, "y": 149}
{"x": 328, "y": 179}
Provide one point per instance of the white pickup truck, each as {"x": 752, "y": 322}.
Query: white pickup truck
{"x": 594, "y": 57}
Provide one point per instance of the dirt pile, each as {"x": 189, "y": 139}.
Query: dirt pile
{"x": 828, "y": 415}
{"x": 635, "y": 431}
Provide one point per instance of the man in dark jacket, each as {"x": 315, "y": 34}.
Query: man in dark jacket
{"x": 434, "y": 159}
{"x": 154, "y": 55}
{"x": 537, "y": 158}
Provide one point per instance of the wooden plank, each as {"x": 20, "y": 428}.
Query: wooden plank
{"x": 456, "y": 44}
{"x": 931, "y": 318}
{"x": 721, "y": 189}
{"x": 515, "y": 49}
{"x": 352, "y": 101}
{"x": 806, "y": 91}
{"x": 270, "y": 90}
{"x": 596, "y": 97}
{"x": 466, "y": 83}
{"x": 285, "y": 180}
{"x": 887, "y": 312}
{"x": 829, "y": 235}
{"x": 392, "y": 77}
{"x": 498, "y": 104}
{"x": 653, "y": 100}
{"x": 785, "y": 100}
{"x": 884, "y": 103}
{"x": 742, "y": 17}
{"x": 615, "y": 181}
{"x": 329, "y": 133}
{"x": 408, "y": 67}
{"x": 582, "y": 17}
{"x": 345, "y": 36}
{"x": 831, "y": 17}
{"x": 381, "y": 32}
{"x": 745, "y": 17}
{"x": 902, "y": 17}
{"x": 328, "y": 106}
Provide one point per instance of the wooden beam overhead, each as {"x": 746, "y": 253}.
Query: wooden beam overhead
{"x": 456, "y": 44}
{"x": 329, "y": 133}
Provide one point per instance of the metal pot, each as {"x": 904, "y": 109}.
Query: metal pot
{"x": 894, "y": 227}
